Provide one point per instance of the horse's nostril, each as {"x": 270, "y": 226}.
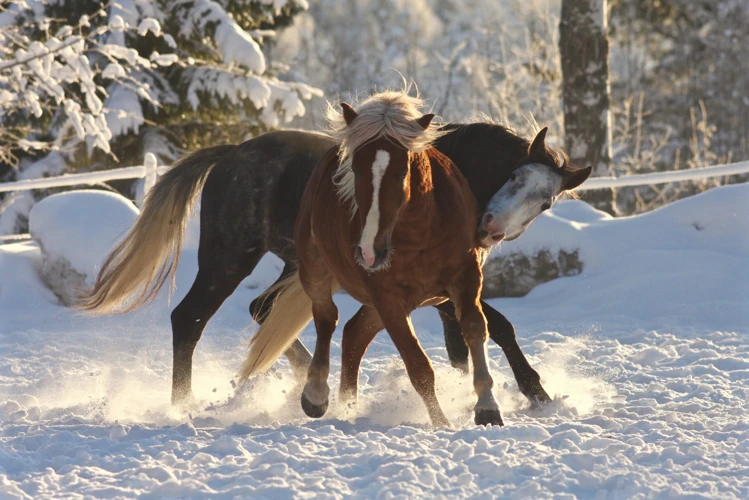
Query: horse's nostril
{"x": 486, "y": 219}
{"x": 498, "y": 237}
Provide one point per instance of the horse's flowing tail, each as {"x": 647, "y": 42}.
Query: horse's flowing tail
{"x": 291, "y": 312}
{"x": 137, "y": 268}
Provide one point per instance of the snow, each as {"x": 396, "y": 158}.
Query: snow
{"x": 235, "y": 44}
{"x": 80, "y": 227}
{"x": 645, "y": 353}
{"x": 124, "y": 112}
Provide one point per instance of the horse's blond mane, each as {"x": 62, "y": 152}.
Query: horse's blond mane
{"x": 391, "y": 114}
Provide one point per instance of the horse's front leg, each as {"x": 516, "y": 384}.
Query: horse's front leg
{"x": 398, "y": 325}
{"x": 466, "y": 297}
{"x": 357, "y": 335}
{"x": 316, "y": 391}
{"x": 502, "y": 332}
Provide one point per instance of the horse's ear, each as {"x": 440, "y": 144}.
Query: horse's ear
{"x": 425, "y": 120}
{"x": 538, "y": 145}
{"x": 574, "y": 178}
{"x": 348, "y": 113}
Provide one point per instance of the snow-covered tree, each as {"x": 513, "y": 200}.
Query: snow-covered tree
{"x": 468, "y": 57}
{"x": 584, "y": 48}
{"x": 90, "y": 86}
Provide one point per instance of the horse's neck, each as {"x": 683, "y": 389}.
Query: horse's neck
{"x": 486, "y": 155}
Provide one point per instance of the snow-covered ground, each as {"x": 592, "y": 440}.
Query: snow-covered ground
{"x": 646, "y": 353}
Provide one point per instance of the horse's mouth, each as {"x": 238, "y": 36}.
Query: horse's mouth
{"x": 383, "y": 259}
{"x": 488, "y": 240}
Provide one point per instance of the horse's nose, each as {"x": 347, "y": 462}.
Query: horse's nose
{"x": 490, "y": 228}
{"x": 367, "y": 255}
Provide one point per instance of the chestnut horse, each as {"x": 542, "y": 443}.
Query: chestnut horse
{"x": 405, "y": 195}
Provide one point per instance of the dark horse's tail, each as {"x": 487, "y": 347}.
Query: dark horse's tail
{"x": 137, "y": 268}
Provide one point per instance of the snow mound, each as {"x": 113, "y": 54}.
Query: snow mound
{"x": 75, "y": 231}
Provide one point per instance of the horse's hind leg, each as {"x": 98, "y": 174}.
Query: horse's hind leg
{"x": 189, "y": 318}
{"x": 358, "y": 333}
{"x": 219, "y": 274}
{"x": 502, "y": 332}
{"x": 457, "y": 350}
{"x": 298, "y": 355}
{"x": 419, "y": 368}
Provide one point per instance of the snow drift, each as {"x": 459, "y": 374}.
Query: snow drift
{"x": 75, "y": 231}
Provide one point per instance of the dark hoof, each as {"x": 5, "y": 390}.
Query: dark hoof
{"x": 461, "y": 367}
{"x": 488, "y": 417}
{"x": 538, "y": 403}
{"x": 312, "y": 410}
{"x": 183, "y": 399}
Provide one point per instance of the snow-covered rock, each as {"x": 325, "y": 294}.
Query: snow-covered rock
{"x": 75, "y": 231}
{"x": 549, "y": 249}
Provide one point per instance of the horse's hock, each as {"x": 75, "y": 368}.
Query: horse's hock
{"x": 517, "y": 273}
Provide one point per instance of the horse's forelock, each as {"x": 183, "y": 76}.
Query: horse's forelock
{"x": 390, "y": 114}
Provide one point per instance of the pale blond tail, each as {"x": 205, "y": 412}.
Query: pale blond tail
{"x": 137, "y": 268}
{"x": 291, "y": 312}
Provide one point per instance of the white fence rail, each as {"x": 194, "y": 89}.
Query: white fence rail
{"x": 149, "y": 170}
{"x": 665, "y": 177}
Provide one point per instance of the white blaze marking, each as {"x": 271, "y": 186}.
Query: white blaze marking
{"x": 372, "y": 224}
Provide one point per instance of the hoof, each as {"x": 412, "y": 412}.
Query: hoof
{"x": 488, "y": 417}
{"x": 312, "y": 410}
{"x": 183, "y": 400}
{"x": 538, "y": 402}
{"x": 461, "y": 367}
{"x": 534, "y": 391}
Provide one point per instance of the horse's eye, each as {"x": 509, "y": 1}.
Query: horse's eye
{"x": 513, "y": 177}
{"x": 545, "y": 206}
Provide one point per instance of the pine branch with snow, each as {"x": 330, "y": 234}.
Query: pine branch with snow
{"x": 99, "y": 85}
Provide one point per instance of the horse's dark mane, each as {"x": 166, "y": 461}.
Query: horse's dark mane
{"x": 494, "y": 136}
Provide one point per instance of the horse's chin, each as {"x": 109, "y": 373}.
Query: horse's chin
{"x": 514, "y": 236}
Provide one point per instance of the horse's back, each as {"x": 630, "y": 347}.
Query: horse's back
{"x": 253, "y": 193}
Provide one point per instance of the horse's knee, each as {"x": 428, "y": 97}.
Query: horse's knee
{"x": 474, "y": 328}
{"x": 326, "y": 317}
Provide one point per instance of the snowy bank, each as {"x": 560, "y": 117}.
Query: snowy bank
{"x": 75, "y": 231}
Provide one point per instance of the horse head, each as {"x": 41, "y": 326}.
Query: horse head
{"x": 382, "y": 187}
{"x": 531, "y": 190}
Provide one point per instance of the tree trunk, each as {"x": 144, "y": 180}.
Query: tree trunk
{"x": 584, "y": 48}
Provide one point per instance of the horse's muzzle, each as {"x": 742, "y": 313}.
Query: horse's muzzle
{"x": 375, "y": 260}
{"x": 489, "y": 232}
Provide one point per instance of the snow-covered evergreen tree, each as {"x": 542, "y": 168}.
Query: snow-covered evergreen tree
{"x": 90, "y": 86}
